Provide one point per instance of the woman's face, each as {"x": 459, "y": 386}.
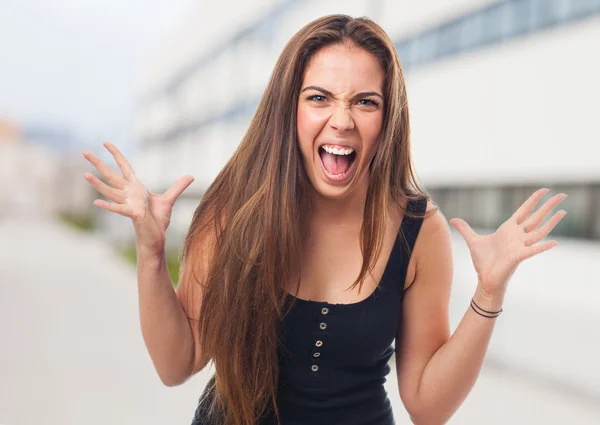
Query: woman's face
{"x": 340, "y": 114}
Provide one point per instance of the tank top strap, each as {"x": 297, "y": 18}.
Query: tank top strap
{"x": 405, "y": 241}
{"x": 411, "y": 225}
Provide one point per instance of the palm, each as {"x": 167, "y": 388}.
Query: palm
{"x": 160, "y": 208}
{"x": 150, "y": 212}
{"x": 494, "y": 255}
{"x": 497, "y": 256}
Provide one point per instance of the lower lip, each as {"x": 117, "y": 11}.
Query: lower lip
{"x": 339, "y": 178}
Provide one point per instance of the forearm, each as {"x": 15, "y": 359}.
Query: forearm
{"x": 452, "y": 372}
{"x": 165, "y": 327}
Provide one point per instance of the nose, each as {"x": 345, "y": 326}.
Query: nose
{"x": 341, "y": 119}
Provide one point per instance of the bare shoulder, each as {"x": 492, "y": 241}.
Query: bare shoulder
{"x": 434, "y": 231}
{"x": 435, "y": 222}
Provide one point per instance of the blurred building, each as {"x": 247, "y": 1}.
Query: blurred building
{"x": 36, "y": 179}
{"x": 503, "y": 97}
{"x": 27, "y": 174}
{"x": 9, "y": 131}
{"x": 503, "y": 100}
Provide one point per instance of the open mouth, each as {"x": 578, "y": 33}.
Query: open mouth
{"x": 337, "y": 162}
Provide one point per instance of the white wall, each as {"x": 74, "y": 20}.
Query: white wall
{"x": 523, "y": 110}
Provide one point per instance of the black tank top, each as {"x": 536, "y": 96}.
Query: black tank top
{"x": 334, "y": 357}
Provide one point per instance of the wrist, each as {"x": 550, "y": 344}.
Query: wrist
{"x": 487, "y": 301}
{"x": 149, "y": 252}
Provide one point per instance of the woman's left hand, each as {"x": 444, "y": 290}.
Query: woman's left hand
{"x": 497, "y": 256}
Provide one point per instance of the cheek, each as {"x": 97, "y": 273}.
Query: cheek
{"x": 310, "y": 121}
{"x": 371, "y": 130}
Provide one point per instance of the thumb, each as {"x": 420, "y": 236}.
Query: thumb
{"x": 177, "y": 189}
{"x": 464, "y": 229}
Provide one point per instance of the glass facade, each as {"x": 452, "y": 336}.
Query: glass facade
{"x": 496, "y": 23}
{"x": 493, "y": 24}
{"x": 489, "y": 207}
{"x": 482, "y": 206}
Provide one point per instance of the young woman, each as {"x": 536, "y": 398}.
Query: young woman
{"x": 315, "y": 248}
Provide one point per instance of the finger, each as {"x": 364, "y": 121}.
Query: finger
{"x": 177, "y": 189}
{"x": 538, "y": 249}
{"x": 109, "y": 174}
{"x": 543, "y": 231}
{"x": 121, "y": 161}
{"x": 110, "y": 193}
{"x": 464, "y": 229}
{"x": 525, "y": 209}
{"x": 122, "y": 209}
{"x": 534, "y": 220}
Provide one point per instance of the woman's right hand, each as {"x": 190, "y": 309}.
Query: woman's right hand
{"x": 150, "y": 212}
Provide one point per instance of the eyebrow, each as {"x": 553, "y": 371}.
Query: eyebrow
{"x": 328, "y": 93}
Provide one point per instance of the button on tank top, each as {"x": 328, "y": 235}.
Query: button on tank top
{"x": 334, "y": 358}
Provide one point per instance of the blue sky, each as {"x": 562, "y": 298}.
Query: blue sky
{"x": 73, "y": 63}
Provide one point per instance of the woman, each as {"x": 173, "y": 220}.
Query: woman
{"x": 320, "y": 194}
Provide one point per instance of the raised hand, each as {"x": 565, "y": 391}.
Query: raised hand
{"x": 150, "y": 212}
{"x": 497, "y": 256}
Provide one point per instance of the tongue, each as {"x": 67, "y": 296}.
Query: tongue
{"x": 335, "y": 164}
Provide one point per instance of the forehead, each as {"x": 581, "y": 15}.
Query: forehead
{"x": 343, "y": 68}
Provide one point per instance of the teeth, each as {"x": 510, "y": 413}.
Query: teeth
{"x": 337, "y": 151}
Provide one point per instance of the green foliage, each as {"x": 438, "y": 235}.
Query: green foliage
{"x": 81, "y": 222}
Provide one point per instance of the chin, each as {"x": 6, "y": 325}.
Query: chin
{"x": 333, "y": 190}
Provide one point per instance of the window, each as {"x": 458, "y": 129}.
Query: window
{"x": 518, "y": 18}
{"x": 578, "y": 8}
{"x": 492, "y": 23}
{"x": 471, "y": 31}
{"x": 489, "y": 206}
{"x": 549, "y": 12}
{"x": 404, "y": 52}
{"x": 449, "y": 38}
{"x": 577, "y": 222}
{"x": 425, "y": 48}
{"x": 595, "y": 224}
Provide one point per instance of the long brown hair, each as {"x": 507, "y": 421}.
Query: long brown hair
{"x": 257, "y": 210}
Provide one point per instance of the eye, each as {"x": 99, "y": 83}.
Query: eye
{"x": 317, "y": 98}
{"x": 369, "y": 102}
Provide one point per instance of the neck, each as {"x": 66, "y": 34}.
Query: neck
{"x": 346, "y": 211}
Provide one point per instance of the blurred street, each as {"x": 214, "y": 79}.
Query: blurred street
{"x": 72, "y": 350}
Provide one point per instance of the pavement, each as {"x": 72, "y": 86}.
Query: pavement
{"x": 72, "y": 351}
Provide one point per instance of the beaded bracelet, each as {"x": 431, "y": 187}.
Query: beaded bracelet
{"x": 494, "y": 313}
